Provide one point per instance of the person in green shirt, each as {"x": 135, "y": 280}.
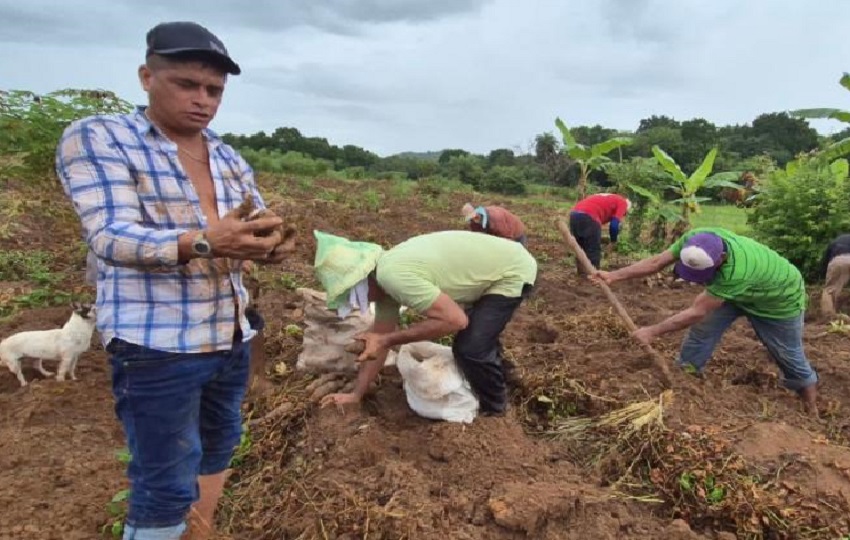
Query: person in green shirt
{"x": 465, "y": 284}
{"x": 742, "y": 278}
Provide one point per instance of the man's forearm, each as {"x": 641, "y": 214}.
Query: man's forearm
{"x": 368, "y": 373}
{"x": 681, "y": 320}
{"x": 132, "y": 245}
{"x": 422, "y": 331}
{"x": 639, "y": 269}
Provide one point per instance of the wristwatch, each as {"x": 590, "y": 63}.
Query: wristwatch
{"x": 200, "y": 246}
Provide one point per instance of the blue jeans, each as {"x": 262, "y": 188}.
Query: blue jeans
{"x": 181, "y": 416}
{"x": 782, "y": 337}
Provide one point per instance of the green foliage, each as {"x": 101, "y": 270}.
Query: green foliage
{"x": 243, "y": 449}
{"x": 34, "y": 268}
{"x": 294, "y": 163}
{"x": 838, "y": 148}
{"x": 117, "y": 506}
{"x": 370, "y": 200}
{"x": 447, "y": 155}
{"x": 501, "y": 157}
{"x": 19, "y": 265}
{"x": 802, "y": 208}
{"x": 288, "y": 139}
{"x": 505, "y": 180}
{"x": 464, "y": 168}
{"x": 588, "y": 158}
{"x": 31, "y": 126}
{"x": 435, "y": 186}
{"x": 687, "y": 187}
{"x": 642, "y": 180}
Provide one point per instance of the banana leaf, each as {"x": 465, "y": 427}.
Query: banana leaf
{"x": 604, "y": 147}
{"x": 835, "y": 150}
{"x": 697, "y": 179}
{"x": 669, "y": 164}
{"x": 569, "y": 141}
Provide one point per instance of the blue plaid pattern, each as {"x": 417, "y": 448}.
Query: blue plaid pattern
{"x": 134, "y": 199}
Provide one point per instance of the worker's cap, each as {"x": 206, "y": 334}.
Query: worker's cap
{"x": 700, "y": 257}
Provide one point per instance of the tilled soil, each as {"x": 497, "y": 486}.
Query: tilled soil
{"x": 383, "y": 472}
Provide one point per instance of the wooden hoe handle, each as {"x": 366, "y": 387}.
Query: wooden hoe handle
{"x": 612, "y": 298}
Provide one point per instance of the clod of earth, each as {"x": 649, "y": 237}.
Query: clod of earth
{"x": 247, "y": 211}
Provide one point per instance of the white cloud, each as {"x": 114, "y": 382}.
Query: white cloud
{"x": 393, "y": 75}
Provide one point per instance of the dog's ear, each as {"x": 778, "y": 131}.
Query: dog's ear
{"x": 76, "y": 307}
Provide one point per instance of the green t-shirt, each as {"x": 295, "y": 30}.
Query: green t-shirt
{"x": 462, "y": 264}
{"x": 754, "y": 277}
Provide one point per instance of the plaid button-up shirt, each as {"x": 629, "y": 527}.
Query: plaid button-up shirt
{"x": 134, "y": 199}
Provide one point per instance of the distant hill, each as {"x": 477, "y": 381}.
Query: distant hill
{"x": 424, "y": 156}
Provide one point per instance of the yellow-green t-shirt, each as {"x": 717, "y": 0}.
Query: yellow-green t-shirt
{"x": 754, "y": 277}
{"x": 464, "y": 265}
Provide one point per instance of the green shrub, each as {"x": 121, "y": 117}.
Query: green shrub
{"x": 294, "y": 163}
{"x": 505, "y": 180}
{"x": 31, "y": 126}
{"x": 801, "y": 209}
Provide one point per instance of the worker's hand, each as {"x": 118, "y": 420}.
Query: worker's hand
{"x": 601, "y": 276}
{"x": 374, "y": 344}
{"x": 644, "y": 335}
{"x": 284, "y": 247}
{"x": 231, "y": 237}
{"x": 340, "y": 400}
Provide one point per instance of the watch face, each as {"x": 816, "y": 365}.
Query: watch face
{"x": 201, "y": 246}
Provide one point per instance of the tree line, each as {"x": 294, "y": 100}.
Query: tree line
{"x": 775, "y": 137}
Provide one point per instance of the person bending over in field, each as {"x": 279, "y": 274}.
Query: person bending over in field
{"x": 835, "y": 269}
{"x": 742, "y": 278}
{"x": 465, "y": 284}
{"x": 496, "y": 221}
{"x": 589, "y": 215}
{"x": 157, "y": 194}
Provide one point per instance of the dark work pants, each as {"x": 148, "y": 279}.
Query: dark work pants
{"x": 588, "y": 234}
{"x": 478, "y": 351}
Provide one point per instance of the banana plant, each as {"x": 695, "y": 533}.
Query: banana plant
{"x": 842, "y": 147}
{"x": 686, "y": 187}
{"x": 588, "y": 158}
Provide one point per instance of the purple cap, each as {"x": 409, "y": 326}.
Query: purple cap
{"x": 700, "y": 257}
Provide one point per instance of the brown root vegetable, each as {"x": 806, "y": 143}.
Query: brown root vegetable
{"x": 248, "y": 211}
{"x": 328, "y": 388}
{"x": 277, "y": 412}
{"x": 327, "y": 377}
{"x": 356, "y": 347}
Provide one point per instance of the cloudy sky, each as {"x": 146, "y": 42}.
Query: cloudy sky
{"x": 396, "y": 75}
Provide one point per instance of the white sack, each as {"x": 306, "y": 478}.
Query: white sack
{"x": 433, "y": 384}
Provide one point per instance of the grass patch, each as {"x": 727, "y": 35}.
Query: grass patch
{"x": 19, "y": 265}
{"x": 32, "y": 267}
{"x": 722, "y": 215}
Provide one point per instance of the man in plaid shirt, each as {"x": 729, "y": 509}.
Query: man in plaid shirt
{"x": 155, "y": 191}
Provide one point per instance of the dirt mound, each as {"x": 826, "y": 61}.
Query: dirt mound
{"x": 383, "y": 472}
{"x": 811, "y": 465}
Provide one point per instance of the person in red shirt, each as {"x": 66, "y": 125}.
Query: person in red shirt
{"x": 589, "y": 215}
{"x": 496, "y": 221}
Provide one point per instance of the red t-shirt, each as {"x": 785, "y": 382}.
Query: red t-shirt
{"x": 602, "y": 207}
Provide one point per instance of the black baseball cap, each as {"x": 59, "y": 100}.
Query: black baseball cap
{"x": 176, "y": 38}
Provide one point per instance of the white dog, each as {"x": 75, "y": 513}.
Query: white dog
{"x": 65, "y": 344}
